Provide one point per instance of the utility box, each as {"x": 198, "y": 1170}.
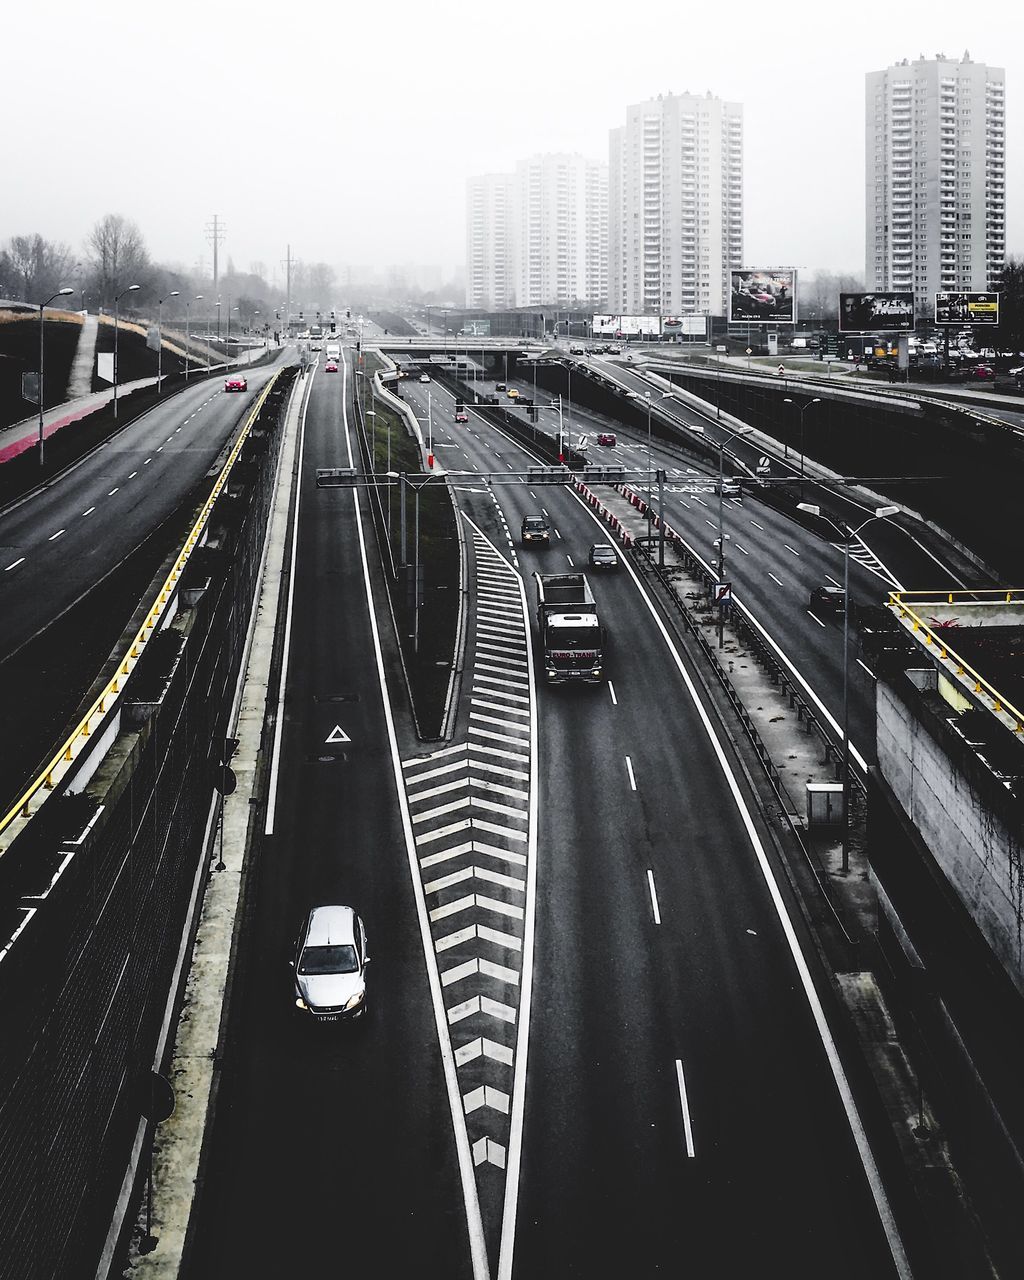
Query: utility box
{"x": 824, "y": 804}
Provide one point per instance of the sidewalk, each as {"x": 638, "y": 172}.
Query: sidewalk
{"x": 24, "y": 435}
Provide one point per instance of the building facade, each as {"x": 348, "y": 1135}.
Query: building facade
{"x": 675, "y": 206}
{"x": 935, "y": 178}
{"x": 491, "y": 224}
{"x": 538, "y": 237}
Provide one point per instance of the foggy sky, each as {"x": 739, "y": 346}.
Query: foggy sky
{"x": 348, "y": 129}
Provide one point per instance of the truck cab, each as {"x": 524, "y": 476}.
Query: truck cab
{"x": 572, "y": 639}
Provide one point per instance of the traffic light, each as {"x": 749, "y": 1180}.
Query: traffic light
{"x": 348, "y": 315}
{"x": 332, "y": 326}
{"x": 300, "y": 315}
{"x": 332, "y": 316}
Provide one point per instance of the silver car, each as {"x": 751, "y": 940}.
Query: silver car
{"x": 330, "y": 965}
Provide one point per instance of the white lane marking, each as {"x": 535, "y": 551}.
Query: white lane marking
{"x": 710, "y": 522}
{"x": 789, "y": 548}
{"x": 569, "y": 558}
{"x": 611, "y": 694}
{"x": 867, "y": 669}
{"x": 701, "y": 501}
{"x": 148, "y": 461}
{"x": 687, "y": 1127}
{"x": 160, "y": 448}
{"x": 654, "y": 896}
{"x": 14, "y": 565}
{"x": 774, "y": 579}
{"x": 685, "y": 504}
{"x": 757, "y": 526}
{"x": 833, "y": 581}
{"x": 739, "y": 548}
{"x": 89, "y": 512}
{"x": 170, "y": 438}
{"x": 275, "y": 757}
{"x": 113, "y": 491}
{"x": 629, "y": 770}
{"x": 133, "y": 475}
{"x": 54, "y": 536}
{"x": 558, "y": 535}
{"x": 817, "y": 620}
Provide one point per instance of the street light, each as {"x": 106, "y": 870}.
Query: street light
{"x": 61, "y": 293}
{"x": 665, "y": 395}
{"x": 803, "y": 409}
{"x": 160, "y": 349}
{"x": 197, "y": 298}
{"x": 131, "y": 289}
{"x": 879, "y": 513}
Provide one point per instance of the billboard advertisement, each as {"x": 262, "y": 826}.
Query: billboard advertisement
{"x": 626, "y": 326}
{"x": 872, "y": 312}
{"x": 762, "y": 296}
{"x": 476, "y": 328}
{"x": 608, "y": 325}
{"x": 967, "y": 308}
{"x": 692, "y": 326}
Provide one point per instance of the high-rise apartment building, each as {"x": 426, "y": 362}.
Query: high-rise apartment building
{"x": 563, "y": 230}
{"x": 491, "y": 232}
{"x": 935, "y": 178}
{"x": 675, "y": 206}
{"x": 538, "y": 236}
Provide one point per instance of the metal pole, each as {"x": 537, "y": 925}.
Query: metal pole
{"x": 416, "y": 576}
{"x": 846, "y": 699}
{"x": 402, "y": 517}
{"x": 389, "y": 487}
{"x": 117, "y": 299}
{"x": 160, "y": 345}
{"x": 561, "y": 450}
{"x": 42, "y": 307}
{"x": 430, "y": 428}
{"x": 721, "y": 542}
{"x": 661, "y": 518}
{"x": 186, "y": 340}
{"x": 649, "y": 499}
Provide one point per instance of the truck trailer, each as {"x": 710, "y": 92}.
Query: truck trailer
{"x": 572, "y": 639}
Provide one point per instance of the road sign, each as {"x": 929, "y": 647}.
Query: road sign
{"x": 750, "y": 351}
{"x": 723, "y": 592}
{"x": 764, "y": 465}
{"x": 30, "y": 387}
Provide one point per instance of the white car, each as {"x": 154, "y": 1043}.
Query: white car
{"x": 330, "y": 965}
{"x": 424, "y": 377}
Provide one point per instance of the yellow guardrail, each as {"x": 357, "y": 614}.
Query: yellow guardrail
{"x": 907, "y": 603}
{"x": 86, "y": 728}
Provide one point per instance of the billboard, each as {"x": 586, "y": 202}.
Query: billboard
{"x": 694, "y": 326}
{"x": 967, "y": 308}
{"x": 476, "y": 328}
{"x": 762, "y": 296}
{"x": 625, "y": 326}
{"x": 874, "y": 312}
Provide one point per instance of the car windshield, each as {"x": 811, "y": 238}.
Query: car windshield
{"x": 331, "y": 959}
{"x": 603, "y": 553}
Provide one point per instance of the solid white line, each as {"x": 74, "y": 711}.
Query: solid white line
{"x": 54, "y": 536}
{"x": 89, "y": 512}
{"x": 654, "y": 896}
{"x": 275, "y": 758}
{"x": 629, "y": 770}
{"x": 817, "y": 620}
{"x": 774, "y": 579}
{"x": 14, "y": 565}
{"x": 867, "y": 669}
{"x": 687, "y": 1127}
{"x": 611, "y": 694}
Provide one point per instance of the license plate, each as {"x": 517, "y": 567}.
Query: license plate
{"x": 328, "y": 1017}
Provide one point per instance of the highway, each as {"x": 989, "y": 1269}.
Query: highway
{"x": 652, "y": 1087}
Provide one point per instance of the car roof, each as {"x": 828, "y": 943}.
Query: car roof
{"x": 330, "y": 925}
{"x": 602, "y": 546}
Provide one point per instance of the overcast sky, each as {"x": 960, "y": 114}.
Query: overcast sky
{"x": 348, "y": 129}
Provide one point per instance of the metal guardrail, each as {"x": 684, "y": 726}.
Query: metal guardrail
{"x": 934, "y": 637}
{"x": 64, "y": 760}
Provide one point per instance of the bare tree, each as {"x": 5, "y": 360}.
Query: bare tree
{"x": 119, "y": 256}
{"x": 320, "y": 282}
{"x": 32, "y": 267}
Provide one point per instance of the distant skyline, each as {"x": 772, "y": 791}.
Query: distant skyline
{"x": 350, "y": 136}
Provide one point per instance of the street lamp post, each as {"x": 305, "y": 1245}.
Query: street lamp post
{"x": 803, "y": 409}
{"x": 131, "y": 289}
{"x": 848, "y": 534}
{"x": 197, "y": 298}
{"x": 160, "y": 349}
{"x": 740, "y": 431}
{"x": 61, "y": 293}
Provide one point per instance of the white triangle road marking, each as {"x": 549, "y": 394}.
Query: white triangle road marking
{"x": 337, "y": 734}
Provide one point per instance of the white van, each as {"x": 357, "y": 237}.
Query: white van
{"x": 333, "y": 351}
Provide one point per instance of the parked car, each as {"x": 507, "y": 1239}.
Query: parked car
{"x": 577, "y": 350}
{"x": 607, "y": 437}
{"x": 330, "y": 965}
{"x": 830, "y": 600}
{"x": 535, "y": 529}
{"x": 235, "y": 382}
{"x": 981, "y": 372}
{"x": 602, "y": 556}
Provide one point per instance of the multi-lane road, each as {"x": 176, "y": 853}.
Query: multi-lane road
{"x": 597, "y": 1041}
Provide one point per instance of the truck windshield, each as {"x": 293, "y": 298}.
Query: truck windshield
{"x": 575, "y": 638}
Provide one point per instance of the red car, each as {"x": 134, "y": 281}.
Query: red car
{"x": 462, "y": 416}
{"x": 606, "y": 437}
{"x": 984, "y": 371}
{"x": 236, "y": 383}
{"x": 331, "y": 366}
